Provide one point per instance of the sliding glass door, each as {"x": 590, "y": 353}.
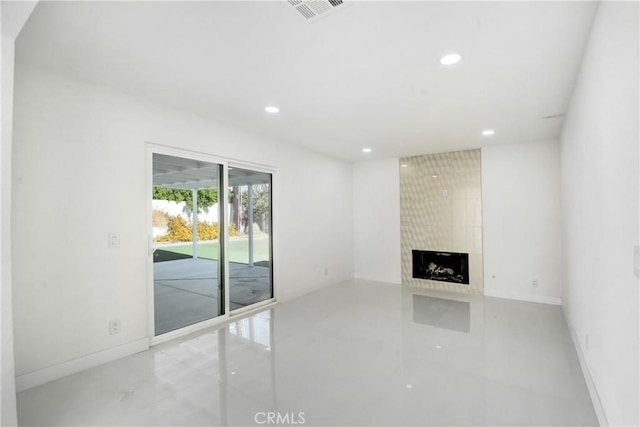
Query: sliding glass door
{"x": 187, "y": 262}
{"x": 212, "y": 245}
{"x": 250, "y": 247}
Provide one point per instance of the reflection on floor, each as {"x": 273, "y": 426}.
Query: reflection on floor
{"x": 360, "y": 353}
{"x": 442, "y": 313}
{"x": 186, "y": 290}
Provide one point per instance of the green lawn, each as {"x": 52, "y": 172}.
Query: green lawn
{"x": 238, "y": 250}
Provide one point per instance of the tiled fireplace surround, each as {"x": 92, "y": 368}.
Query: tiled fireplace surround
{"x": 441, "y": 210}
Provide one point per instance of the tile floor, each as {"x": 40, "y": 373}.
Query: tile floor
{"x": 359, "y": 353}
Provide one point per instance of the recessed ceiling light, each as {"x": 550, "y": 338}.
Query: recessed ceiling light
{"x": 434, "y": 176}
{"x": 367, "y": 150}
{"x": 271, "y": 109}
{"x": 404, "y": 165}
{"x": 452, "y": 58}
{"x": 488, "y": 132}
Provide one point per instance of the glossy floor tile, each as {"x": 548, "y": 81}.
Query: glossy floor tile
{"x": 359, "y": 353}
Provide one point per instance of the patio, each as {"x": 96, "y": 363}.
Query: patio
{"x": 186, "y": 290}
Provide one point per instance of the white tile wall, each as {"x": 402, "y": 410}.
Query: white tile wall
{"x": 441, "y": 209}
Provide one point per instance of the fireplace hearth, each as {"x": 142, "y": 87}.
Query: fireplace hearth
{"x": 450, "y": 267}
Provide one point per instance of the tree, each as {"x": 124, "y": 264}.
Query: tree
{"x": 261, "y": 205}
{"x": 261, "y": 199}
{"x": 207, "y": 197}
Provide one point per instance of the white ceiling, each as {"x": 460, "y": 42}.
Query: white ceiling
{"x": 368, "y": 75}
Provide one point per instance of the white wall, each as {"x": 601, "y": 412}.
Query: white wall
{"x": 521, "y": 218}
{"x": 14, "y": 15}
{"x": 173, "y": 208}
{"x": 376, "y": 220}
{"x": 599, "y": 158}
{"x": 520, "y": 203}
{"x": 79, "y": 150}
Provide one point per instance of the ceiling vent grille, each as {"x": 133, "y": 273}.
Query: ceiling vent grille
{"x": 313, "y": 9}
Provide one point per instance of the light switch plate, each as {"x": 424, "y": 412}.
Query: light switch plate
{"x": 114, "y": 240}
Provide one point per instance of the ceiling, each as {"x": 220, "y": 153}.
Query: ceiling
{"x": 191, "y": 174}
{"x": 365, "y": 76}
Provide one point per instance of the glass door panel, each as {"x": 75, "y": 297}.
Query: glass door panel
{"x": 187, "y": 219}
{"x": 250, "y": 248}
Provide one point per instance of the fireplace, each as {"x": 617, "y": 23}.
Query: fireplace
{"x": 441, "y": 266}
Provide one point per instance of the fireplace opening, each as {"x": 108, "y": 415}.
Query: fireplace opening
{"x": 442, "y": 266}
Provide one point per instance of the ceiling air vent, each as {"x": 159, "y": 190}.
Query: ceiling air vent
{"x": 313, "y": 9}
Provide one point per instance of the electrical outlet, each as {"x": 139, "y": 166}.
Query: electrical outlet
{"x": 534, "y": 283}
{"x": 115, "y": 326}
{"x": 114, "y": 240}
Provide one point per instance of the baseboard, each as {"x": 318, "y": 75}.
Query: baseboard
{"x": 591, "y": 386}
{"x": 376, "y": 281}
{"x": 523, "y": 297}
{"x": 388, "y": 280}
{"x": 51, "y": 373}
